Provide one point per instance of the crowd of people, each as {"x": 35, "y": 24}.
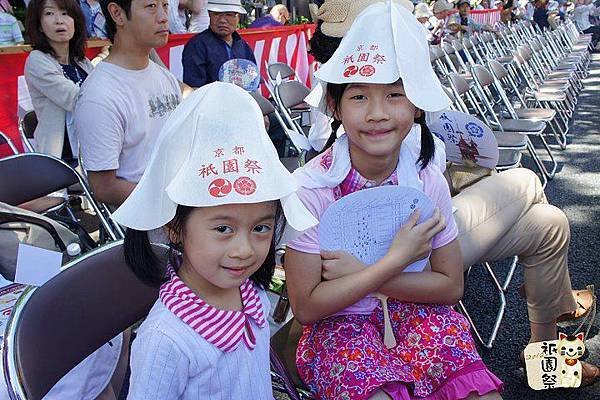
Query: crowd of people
{"x": 178, "y": 167}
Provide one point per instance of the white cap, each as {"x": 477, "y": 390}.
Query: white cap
{"x": 208, "y": 154}
{"x": 225, "y": 6}
{"x": 397, "y": 49}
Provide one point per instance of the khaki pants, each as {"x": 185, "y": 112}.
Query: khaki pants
{"x": 507, "y": 215}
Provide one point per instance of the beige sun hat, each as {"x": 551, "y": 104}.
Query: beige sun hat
{"x": 442, "y": 5}
{"x": 422, "y": 10}
{"x": 225, "y": 6}
{"x": 338, "y": 15}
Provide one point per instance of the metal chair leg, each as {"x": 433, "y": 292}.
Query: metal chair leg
{"x": 489, "y": 343}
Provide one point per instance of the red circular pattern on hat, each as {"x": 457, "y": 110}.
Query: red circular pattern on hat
{"x": 367, "y": 70}
{"x": 244, "y": 186}
{"x": 350, "y": 70}
{"x": 219, "y": 187}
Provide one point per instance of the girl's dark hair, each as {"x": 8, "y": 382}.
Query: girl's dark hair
{"x": 147, "y": 266}
{"x": 38, "y": 39}
{"x": 335, "y": 91}
{"x": 322, "y": 46}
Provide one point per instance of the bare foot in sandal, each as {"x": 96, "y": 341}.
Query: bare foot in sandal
{"x": 584, "y": 299}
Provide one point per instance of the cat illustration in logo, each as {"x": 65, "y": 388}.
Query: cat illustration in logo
{"x": 570, "y": 349}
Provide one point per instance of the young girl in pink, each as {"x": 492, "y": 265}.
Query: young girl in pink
{"x": 379, "y": 83}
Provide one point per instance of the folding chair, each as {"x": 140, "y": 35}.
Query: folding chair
{"x": 27, "y": 127}
{"x": 533, "y": 92}
{"x": 284, "y": 344}
{"x": 54, "y": 327}
{"x": 436, "y": 56}
{"x": 450, "y": 54}
{"x": 30, "y": 176}
{"x": 4, "y": 139}
{"x": 277, "y": 73}
{"x": 299, "y": 141}
{"x": 501, "y": 289}
{"x": 481, "y": 105}
{"x": 280, "y": 71}
{"x": 542, "y": 112}
{"x": 289, "y": 96}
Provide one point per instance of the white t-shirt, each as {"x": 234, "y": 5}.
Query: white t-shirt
{"x": 199, "y": 22}
{"x": 119, "y": 115}
{"x": 176, "y": 25}
{"x": 582, "y": 13}
{"x": 169, "y": 360}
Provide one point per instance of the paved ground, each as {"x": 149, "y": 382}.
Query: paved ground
{"x": 576, "y": 190}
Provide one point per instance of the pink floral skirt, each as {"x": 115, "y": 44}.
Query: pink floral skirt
{"x": 343, "y": 357}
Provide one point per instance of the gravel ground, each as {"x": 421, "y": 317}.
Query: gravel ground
{"x": 575, "y": 190}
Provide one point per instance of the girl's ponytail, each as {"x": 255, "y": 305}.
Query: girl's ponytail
{"x": 141, "y": 259}
{"x": 335, "y": 125}
{"x": 427, "y": 143}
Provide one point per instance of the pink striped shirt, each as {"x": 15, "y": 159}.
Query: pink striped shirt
{"x": 225, "y": 329}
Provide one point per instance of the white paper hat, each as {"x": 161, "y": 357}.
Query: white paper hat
{"x": 396, "y": 49}
{"x": 213, "y": 150}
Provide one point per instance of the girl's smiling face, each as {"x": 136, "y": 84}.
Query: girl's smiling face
{"x": 376, "y": 118}
{"x": 224, "y": 245}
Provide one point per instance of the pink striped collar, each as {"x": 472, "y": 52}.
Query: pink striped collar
{"x": 222, "y": 328}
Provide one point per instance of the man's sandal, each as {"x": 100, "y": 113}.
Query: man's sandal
{"x": 585, "y": 300}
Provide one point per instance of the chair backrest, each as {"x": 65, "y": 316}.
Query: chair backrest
{"x": 284, "y": 71}
{"x": 448, "y": 48}
{"x": 467, "y": 43}
{"x": 498, "y": 69}
{"x": 482, "y": 75}
{"x": 292, "y": 93}
{"x": 525, "y": 53}
{"x": 28, "y": 124}
{"x": 56, "y": 326}
{"x": 436, "y": 51}
{"x": 265, "y": 105}
{"x": 457, "y": 44}
{"x": 459, "y": 83}
{"x": 29, "y": 176}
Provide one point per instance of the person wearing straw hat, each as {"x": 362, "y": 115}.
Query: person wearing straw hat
{"x": 425, "y": 17}
{"x": 441, "y": 10}
{"x": 504, "y": 215}
{"x": 204, "y": 54}
{"x": 215, "y": 185}
{"x": 379, "y": 82}
{"x": 423, "y": 13}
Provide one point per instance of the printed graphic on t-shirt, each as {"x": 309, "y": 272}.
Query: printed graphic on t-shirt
{"x": 159, "y": 106}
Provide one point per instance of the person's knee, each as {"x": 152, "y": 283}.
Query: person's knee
{"x": 523, "y": 176}
{"x": 553, "y": 222}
